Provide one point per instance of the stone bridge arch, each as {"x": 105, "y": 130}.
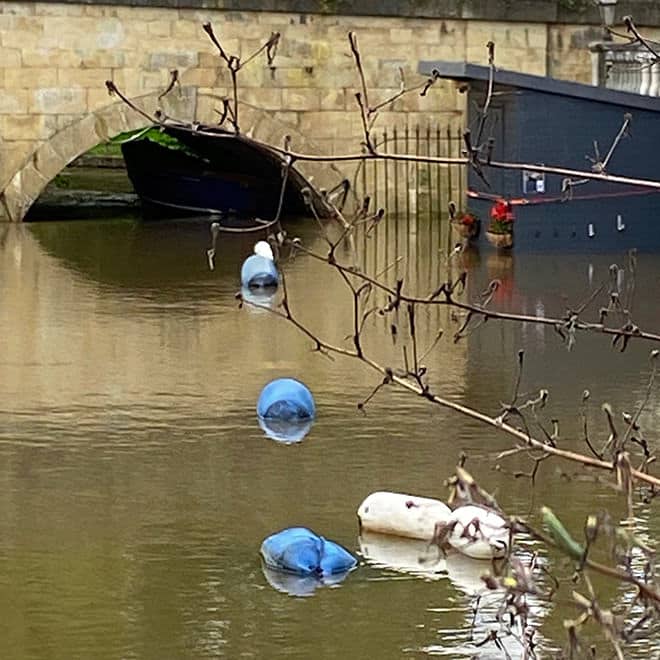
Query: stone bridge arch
{"x": 49, "y": 157}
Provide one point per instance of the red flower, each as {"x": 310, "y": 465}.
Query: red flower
{"x": 501, "y": 211}
{"x": 467, "y": 219}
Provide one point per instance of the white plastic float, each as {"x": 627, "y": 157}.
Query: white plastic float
{"x": 478, "y": 532}
{"x": 402, "y": 515}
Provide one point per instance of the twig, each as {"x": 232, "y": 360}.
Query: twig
{"x": 494, "y": 422}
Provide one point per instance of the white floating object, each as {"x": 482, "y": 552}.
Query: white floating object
{"x": 402, "y": 515}
{"x": 412, "y": 556}
{"x": 263, "y": 249}
{"x": 478, "y": 532}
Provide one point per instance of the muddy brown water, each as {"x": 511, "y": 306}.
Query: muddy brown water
{"x": 136, "y": 485}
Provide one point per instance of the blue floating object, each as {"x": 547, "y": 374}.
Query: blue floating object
{"x": 299, "y": 550}
{"x": 285, "y": 430}
{"x": 286, "y": 399}
{"x": 259, "y": 269}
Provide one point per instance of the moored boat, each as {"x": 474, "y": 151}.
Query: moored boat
{"x": 182, "y": 169}
{"x": 541, "y": 121}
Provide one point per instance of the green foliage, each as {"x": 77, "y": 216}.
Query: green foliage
{"x": 151, "y": 133}
{"x": 500, "y": 227}
{"x": 560, "y": 534}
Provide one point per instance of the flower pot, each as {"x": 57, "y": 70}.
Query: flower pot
{"x": 466, "y": 230}
{"x": 500, "y": 240}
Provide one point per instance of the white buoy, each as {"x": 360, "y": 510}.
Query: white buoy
{"x": 402, "y": 515}
{"x": 263, "y": 249}
{"x": 478, "y": 532}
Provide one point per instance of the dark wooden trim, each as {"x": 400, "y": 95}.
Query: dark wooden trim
{"x": 467, "y": 72}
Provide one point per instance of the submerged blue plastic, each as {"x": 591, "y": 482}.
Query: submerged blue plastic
{"x": 299, "y": 550}
{"x": 259, "y": 272}
{"x": 286, "y": 431}
{"x": 300, "y": 585}
{"x": 286, "y": 399}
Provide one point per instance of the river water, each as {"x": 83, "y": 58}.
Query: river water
{"x": 136, "y": 484}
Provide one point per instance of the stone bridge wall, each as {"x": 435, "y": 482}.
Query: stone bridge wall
{"x": 56, "y": 56}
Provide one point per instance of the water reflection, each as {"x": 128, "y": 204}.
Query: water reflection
{"x": 419, "y": 558}
{"x": 257, "y": 298}
{"x": 300, "y": 585}
{"x": 285, "y": 431}
{"x": 489, "y": 630}
{"x": 137, "y": 487}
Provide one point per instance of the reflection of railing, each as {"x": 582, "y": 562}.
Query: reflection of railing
{"x": 625, "y": 67}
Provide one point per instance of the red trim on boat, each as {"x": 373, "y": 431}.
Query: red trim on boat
{"x": 522, "y": 201}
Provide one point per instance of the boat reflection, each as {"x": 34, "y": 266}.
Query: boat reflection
{"x": 300, "y": 585}
{"x": 412, "y": 556}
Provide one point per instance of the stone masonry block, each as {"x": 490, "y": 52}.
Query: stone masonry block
{"x": 201, "y": 77}
{"x": 301, "y": 99}
{"x": 14, "y": 101}
{"x": 20, "y": 127}
{"x": 330, "y": 124}
{"x": 401, "y": 35}
{"x": 24, "y": 40}
{"x": 98, "y": 98}
{"x": 12, "y": 155}
{"x": 186, "y": 29}
{"x": 47, "y": 161}
{"x": 172, "y": 60}
{"x": 160, "y": 28}
{"x": 105, "y": 59}
{"x": 51, "y": 57}
{"x": 11, "y": 58}
{"x": 265, "y": 99}
{"x": 63, "y": 121}
{"x": 58, "y": 9}
{"x": 17, "y": 8}
{"x": 22, "y": 190}
{"x": 117, "y": 118}
{"x": 97, "y": 11}
{"x": 56, "y": 100}
{"x": 76, "y": 139}
{"x": 288, "y": 120}
{"x": 334, "y": 99}
{"x": 92, "y": 78}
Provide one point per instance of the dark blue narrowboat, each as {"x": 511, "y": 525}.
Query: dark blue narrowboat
{"x": 542, "y": 121}
{"x": 184, "y": 169}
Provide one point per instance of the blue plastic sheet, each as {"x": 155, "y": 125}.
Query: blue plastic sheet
{"x": 301, "y": 551}
{"x": 259, "y": 272}
{"x": 286, "y": 399}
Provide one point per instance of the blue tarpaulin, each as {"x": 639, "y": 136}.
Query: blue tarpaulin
{"x": 301, "y": 551}
{"x": 286, "y": 399}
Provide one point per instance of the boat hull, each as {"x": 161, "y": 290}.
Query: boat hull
{"x": 580, "y": 225}
{"x": 533, "y": 121}
{"x": 218, "y": 173}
